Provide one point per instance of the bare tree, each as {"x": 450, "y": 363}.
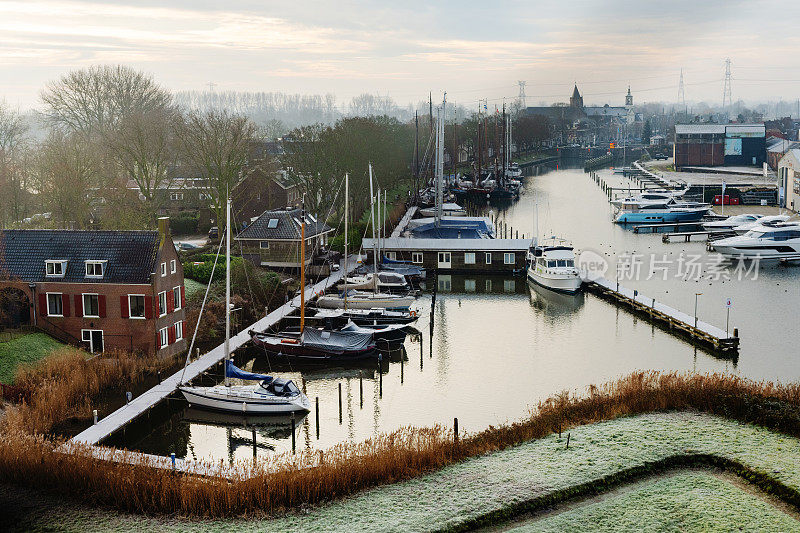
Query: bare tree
{"x": 144, "y": 145}
{"x": 217, "y": 144}
{"x": 14, "y": 142}
{"x": 93, "y": 99}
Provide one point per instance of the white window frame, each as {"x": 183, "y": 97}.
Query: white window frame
{"x": 179, "y": 330}
{"x": 391, "y": 255}
{"x": 62, "y": 263}
{"x": 130, "y": 307}
{"x": 61, "y": 297}
{"x": 176, "y": 196}
{"x": 513, "y": 258}
{"x": 164, "y": 269}
{"x": 176, "y": 295}
{"x": 417, "y": 258}
{"x": 488, "y": 257}
{"x": 163, "y": 337}
{"x": 261, "y": 245}
{"x": 91, "y": 341}
{"x": 173, "y": 266}
{"x": 469, "y": 258}
{"x": 83, "y": 304}
{"x": 160, "y": 294}
{"x": 94, "y": 263}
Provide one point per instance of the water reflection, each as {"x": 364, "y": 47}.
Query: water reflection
{"x": 554, "y": 304}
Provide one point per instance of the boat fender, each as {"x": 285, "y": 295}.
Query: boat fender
{"x": 290, "y": 341}
{"x": 413, "y": 313}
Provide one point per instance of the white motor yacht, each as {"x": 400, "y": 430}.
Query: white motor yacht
{"x": 553, "y": 266}
{"x": 777, "y": 240}
{"x": 733, "y": 221}
{"x": 650, "y": 198}
{"x": 769, "y": 219}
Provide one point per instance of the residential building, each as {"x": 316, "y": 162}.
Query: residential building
{"x": 273, "y": 239}
{"x": 264, "y": 190}
{"x": 100, "y": 289}
{"x": 789, "y": 179}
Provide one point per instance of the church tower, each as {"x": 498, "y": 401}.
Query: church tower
{"x": 576, "y": 100}
{"x": 629, "y": 98}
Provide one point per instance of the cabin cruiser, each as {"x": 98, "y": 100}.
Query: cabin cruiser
{"x": 370, "y": 317}
{"x": 769, "y": 219}
{"x": 364, "y": 300}
{"x": 654, "y": 197}
{"x": 661, "y": 214}
{"x": 270, "y": 396}
{"x": 732, "y": 222}
{"x": 388, "y": 282}
{"x": 778, "y": 240}
{"x": 553, "y": 266}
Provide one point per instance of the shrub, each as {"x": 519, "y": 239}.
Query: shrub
{"x": 184, "y": 224}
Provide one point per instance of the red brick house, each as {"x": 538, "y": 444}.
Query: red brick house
{"x": 100, "y": 289}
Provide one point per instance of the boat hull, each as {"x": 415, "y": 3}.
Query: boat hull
{"x": 335, "y": 302}
{"x": 567, "y": 284}
{"x": 665, "y": 217}
{"x": 201, "y": 397}
{"x": 299, "y": 353}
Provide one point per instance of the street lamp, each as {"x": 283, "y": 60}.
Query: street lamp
{"x": 695, "y": 306}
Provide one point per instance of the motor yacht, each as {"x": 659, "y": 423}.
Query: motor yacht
{"x": 553, "y": 266}
{"x": 777, "y": 240}
{"x": 650, "y": 198}
{"x": 769, "y": 219}
{"x": 662, "y": 214}
{"x": 732, "y": 222}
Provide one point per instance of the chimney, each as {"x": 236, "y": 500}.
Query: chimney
{"x": 163, "y": 229}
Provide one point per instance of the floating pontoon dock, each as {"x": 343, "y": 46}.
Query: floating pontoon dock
{"x": 710, "y": 235}
{"x": 702, "y": 332}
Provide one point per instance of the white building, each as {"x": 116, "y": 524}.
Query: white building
{"x": 789, "y": 179}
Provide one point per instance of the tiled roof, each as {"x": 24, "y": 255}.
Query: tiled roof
{"x": 286, "y": 228}
{"x": 130, "y": 255}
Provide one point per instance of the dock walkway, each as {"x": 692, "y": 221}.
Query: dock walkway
{"x": 401, "y": 226}
{"x": 710, "y": 335}
{"x": 141, "y": 404}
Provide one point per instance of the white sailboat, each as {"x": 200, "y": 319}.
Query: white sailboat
{"x": 270, "y": 396}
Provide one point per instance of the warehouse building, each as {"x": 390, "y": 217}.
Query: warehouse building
{"x": 709, "y": 145}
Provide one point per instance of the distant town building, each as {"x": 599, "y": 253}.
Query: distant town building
{"x": 99, "y": 289}
{"x": 264, "y": 190}
{"x": 777, "y": 148}
{"x": 789, "y": 179}
{"x": 719, "y": 144}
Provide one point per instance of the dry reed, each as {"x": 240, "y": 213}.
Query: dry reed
{"x": 310, "y": 477}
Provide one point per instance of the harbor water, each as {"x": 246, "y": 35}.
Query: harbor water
{"x": 493, "y": 347}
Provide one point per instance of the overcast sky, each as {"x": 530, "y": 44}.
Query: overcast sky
{"x": 403, "y": 49}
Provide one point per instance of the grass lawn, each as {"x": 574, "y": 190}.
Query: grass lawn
{"x": 24, "y": 349}
{"x": 193, "y": 287}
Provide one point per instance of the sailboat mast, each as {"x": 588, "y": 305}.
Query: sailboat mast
{"x": 227, "y": 287}
{"x": 480, "y": 148}
{"x": 440, "y": 162}
{"x": 374, "y": 242}
{"x": 303, "y": 265}
{"x": 346, "y": 216}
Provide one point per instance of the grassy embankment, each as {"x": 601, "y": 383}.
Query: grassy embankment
{"x": 24, "y": 349}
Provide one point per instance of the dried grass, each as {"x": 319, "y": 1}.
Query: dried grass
{"x": 310, "y": 477}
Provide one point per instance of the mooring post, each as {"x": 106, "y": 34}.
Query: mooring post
{"x": 172, "y": 459}
{"x": 293, "y": 424}
{"x": 340, "y": 403}
{"x": 94, "y": 415}
{"x": 380, "y": 375}
{"x": 401, "y": 367}
{"x": 316, "y": 403}
{"x": 455, "y": 430}
{"x": 361, "y": 388}
{"x": 568, "y": 436}
{"x": 128, "y": 397}
{"x": 254, "y": 443}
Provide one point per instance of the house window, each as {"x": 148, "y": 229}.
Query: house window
{"x": 163, "y": 337}
{"x": 55, "y": 269}
{"x": 176, "y": 196}
{"x": 416, "y": 257}
{"x": 94, "y": 338}
{"x": 508, "y": 258}
{"x": 173, "y": 266}
{"x": 509, "y": 285}
{"x": 91, "y": 306}
{"x": 163, "y": 269}
{"x": 391, "y": 255}
{"x": 469, "y": 285}
{"x": 162, "y": 303}
{"x": 94, "y": 269}
{"x": 205, "y": 196}
{"x": 55, "y": 304}
{"x": 488, "y": 258}
{"x": 469, "y": 258}
{"x": 179, "y": 330}
{"x": 136, "y": 305}
{"x": 264, "y": 245}
{"x": 176, "y": 294}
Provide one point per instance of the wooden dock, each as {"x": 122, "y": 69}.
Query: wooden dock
{"x": 677, "y": 321}
{"x": 654, "y": 228}
{"x": 143, "y": 403}
{"x": 710, "y": 235}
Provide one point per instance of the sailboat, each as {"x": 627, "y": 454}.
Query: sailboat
{"x": 356, "y": 299}
{"x": 270, "y": 396}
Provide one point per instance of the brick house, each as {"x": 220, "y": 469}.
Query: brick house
{"x": 273, "y": 239}
{"x": 262, "y": 190}
{"x": 100, "y": 289}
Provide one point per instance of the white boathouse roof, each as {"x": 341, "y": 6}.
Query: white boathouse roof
{"x": 465, "y": 245}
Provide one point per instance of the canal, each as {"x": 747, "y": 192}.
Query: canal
{"x": 497, "y": 345}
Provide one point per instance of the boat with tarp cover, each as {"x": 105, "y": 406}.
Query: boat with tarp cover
{"x": 313, "y": 345}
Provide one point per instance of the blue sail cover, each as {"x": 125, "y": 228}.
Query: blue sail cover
{"x": 232, "y": 371}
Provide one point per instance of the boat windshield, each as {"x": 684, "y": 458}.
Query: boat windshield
{"x": 754, "y": 234}
{"x": 280, "y": 387}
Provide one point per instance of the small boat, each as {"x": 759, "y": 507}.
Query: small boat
{"x": 270, "y": 396}
{"x": 769, "y": 219}
{"x": 383, "y": 334}
{"x": 448, "y": 210}
{"x": 732, "y": 222}
{"x": 775, "y": 240}
{"x": 370, "y": 317}
{"x": 317, "y": 346}
{"x": 553, "y": 267}
{"x": 355, "y": 299}
{"x": 387, "y": 282}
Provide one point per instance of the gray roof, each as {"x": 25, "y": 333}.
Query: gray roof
{"x": 130, "y": 255}
{"x": 467, "y": 245}
{"x": 683, "y": 129}
{"x": 606, "y": 110}
{"x": 287, "y": 226}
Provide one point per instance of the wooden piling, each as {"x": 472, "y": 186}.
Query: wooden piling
{"x": 316, "y": 403}
{"x": 293, "y": 436}
{"x": 340, "y": 403}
